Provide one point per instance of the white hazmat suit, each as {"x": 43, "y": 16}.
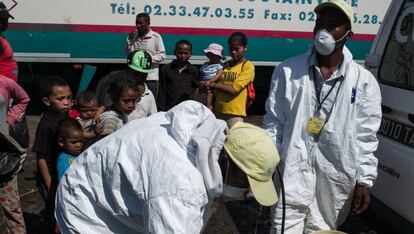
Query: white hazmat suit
{"x": 320, "y": 174}
{"x": 154, "y": 175}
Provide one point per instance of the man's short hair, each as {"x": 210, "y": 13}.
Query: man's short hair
{"x": 67, "y": 125}
{"x": 185, "y": 42}
{"x": 145, "y": 16}
{"x": 86, "y": 96}
{"x": 47, "y": 84}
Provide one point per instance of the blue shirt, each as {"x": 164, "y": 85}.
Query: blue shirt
{"x": 208, "y": 71}
{"x": 63, "y": 162}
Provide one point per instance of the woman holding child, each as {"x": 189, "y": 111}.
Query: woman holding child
{"x": 231, "y": 88}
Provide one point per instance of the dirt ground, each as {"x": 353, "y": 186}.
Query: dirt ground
{"x": 31, "y": 201}
{"x": 231, "y": 216}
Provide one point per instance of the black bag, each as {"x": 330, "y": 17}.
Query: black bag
{"x": 9, "y": 163}
{"x": 20, "y": 133}
{"x": 12, "y": 157}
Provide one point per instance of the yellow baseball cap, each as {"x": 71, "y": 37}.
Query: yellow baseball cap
{"x": 254, "y": 152}
{"x": 340, "y": 5}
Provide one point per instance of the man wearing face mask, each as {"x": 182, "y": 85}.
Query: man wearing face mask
{"x": 160, "y": 174}
{"x": 323, "y": 111}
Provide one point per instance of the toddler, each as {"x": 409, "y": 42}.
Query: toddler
{"x": 212, "y": 70}
{"x": 70, "y": 141}
{"x": 87, "y": 106}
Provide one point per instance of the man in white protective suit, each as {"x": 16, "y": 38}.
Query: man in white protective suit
{"x": 323, "y": 111}
{"x": 160, "y": 174}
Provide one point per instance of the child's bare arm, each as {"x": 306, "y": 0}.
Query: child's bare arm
{"x": 89, "y": 134}
{"x": 98, "y": 112}
{"x": 97, "y": 130}
{"x": 217, "y": 76}
{"x": 210, "y": 98}
{"x": 43, "y": 169}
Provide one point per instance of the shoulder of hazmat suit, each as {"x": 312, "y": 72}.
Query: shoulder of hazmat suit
{"x": 320, "y": 176}
{"x": 154, "y": 175}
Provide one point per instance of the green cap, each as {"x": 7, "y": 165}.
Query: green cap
{"x": 254, "y": 152}
{"x": 140, "y": 61}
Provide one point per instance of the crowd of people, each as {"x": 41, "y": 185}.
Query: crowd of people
{"x": 153, "y": 161}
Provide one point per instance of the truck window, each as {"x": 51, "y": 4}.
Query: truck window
{"x": 397, "y": 66}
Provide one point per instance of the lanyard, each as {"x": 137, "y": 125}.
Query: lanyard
{"x": 318, "y": 92}
{"x": 319, "y": 106}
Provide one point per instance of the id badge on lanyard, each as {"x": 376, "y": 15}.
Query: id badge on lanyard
{"x": 316, "y": 123}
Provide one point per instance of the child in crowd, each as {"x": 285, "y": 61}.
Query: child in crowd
{"x": 139, "y": 62}
{"x": 138, "y": 68}
{"x": 145, "y": 105}
{"x": 212, "y": 70}
{"x": 87, "y": 106}
{"x": 70, "y": 137}
{"x": 123, "y": 93}
{"x": 57, "y": 98}
{"x": 178, "y": 79}
{"x": 231, "y": 89}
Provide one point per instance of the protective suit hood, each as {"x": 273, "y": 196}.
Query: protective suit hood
{"x": 185, "y": 119}
{"x": 196, "y": 130}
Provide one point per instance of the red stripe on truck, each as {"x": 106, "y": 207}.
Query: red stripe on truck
{"x": 171, "y": 30}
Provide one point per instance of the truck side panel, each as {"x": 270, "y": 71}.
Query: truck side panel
{"x": 111, "y": 45}
{"x": 276, "y": 29}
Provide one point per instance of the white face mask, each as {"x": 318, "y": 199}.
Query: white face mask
{"x": 325, "y": 43}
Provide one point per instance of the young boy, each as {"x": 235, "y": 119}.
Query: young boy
{"x": 57, "y": 98}
{"x": 179, "y": 78}
{"x": 70, "y": 137}
{"x": 87, "y": 106}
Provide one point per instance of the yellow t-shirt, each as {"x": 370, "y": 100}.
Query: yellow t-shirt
{"x": 238, "y": 78}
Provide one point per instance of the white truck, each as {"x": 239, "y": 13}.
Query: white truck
{"x": 391, "y": 60}
{"x": 94, "y": 31}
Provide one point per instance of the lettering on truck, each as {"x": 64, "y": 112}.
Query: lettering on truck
{"x": 389, "y": 170}
{"x": 397, "y": 131}
{"x": 277, "y": 29}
